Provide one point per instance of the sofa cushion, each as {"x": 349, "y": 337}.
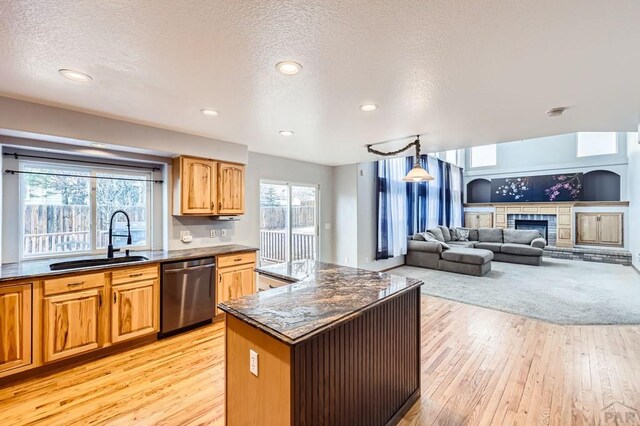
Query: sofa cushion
{"x": 467, "y": 255}
{"x": 418, "y": 237}
{"x": 521, "y": 249}
{"x": 520, "y": 236}
{"x": 473, "y": 234}
{"x": 494, "y": 247}
{"x": 425, "y": 246}
{"x": 437, "y": 232}
{"x": 446, "y": 233}
{"x": 467, "y": 244}
{"x": 490, "y": 235}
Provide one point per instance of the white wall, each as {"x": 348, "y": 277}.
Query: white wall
{"x": 633, "y": 149}
{"x": 346, "y": 214}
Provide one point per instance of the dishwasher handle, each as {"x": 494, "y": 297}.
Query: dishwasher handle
{"x": 189, "y": 268}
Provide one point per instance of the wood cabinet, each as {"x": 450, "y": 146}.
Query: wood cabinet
{"x": 236, "y": 276}
{"x": 478, "y": 220}
{"x": 230, "y": 188}
{"x": 15, "y": 327}
{"x": 195, "y": 189}
{"x": 206, "y": 187}
{"x": 599, "y": 229}
{"x": 72, "y": 323}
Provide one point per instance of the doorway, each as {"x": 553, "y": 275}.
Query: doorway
{"x": 288, "y": 222}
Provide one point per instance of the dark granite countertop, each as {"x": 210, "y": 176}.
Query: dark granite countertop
{"x": 40, "y": 268}
{"x": 325, "y": 296}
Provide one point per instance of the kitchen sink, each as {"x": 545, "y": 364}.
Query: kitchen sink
{"x": 85, "y": 263}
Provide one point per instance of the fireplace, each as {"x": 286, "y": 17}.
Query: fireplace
{"x": 541, "y": 226}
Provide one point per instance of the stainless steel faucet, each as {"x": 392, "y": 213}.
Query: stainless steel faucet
{"x": 110, "y": 249}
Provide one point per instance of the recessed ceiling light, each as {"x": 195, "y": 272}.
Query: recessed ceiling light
{"x": 210, "y": 112}
{"x": 75, "y": 75}
{"x": 555, "y": 112}
{"x": 97, "y": 145}
{"x": 368, "y": 107}
{"x": 286, "y": 132}
{"x": 288, "y": 67}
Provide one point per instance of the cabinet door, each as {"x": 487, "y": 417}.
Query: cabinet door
{"x": 72, "y": 324}
{"x": 15, "y": 326}
{"x": 134, "y": 309}
{"x": 485, "y": 220}
{"x": 471, "y": 220}
{"x": 610, "y": 229}
{"x": 234, "y": 282}
{"x": 198, "y": 186}
{"x": 230, "y": 188}
{"x": 587, "y": 228}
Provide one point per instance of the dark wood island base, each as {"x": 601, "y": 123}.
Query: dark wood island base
{"x": 362, "y": 368}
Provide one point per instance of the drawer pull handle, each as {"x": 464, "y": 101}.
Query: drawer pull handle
{"x": 237, "y": 259}
{"x": 135, "y": 275}
{"x": 75, "y": 284}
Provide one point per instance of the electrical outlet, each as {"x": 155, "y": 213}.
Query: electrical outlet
{"x": 223, "y": 232}
{"x": 253, "y": 362}
{"x": 215, "y": 233}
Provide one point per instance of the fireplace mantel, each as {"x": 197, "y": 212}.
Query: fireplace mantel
{"x": 557, "y": 203}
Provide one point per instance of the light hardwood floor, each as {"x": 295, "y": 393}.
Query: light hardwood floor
{"x": 478, "y": 367}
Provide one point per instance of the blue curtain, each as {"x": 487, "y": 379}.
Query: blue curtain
{"x": 406, "y": 208}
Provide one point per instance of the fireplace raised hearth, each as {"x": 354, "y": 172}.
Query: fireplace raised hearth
{"x": 541, "y": 226}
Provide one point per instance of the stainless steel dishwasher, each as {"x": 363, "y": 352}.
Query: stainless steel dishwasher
{"x": 187, "y": 293}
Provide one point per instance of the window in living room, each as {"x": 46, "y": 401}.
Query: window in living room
{"x": 596, "y": 143}
{"x": 483, "y": 156}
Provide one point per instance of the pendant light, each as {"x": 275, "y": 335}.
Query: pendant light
{"x": 417, "y": 173}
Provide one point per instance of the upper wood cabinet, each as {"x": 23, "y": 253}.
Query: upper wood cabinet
{"x": 15, "y": 327}
{"x": 599, "y": 229}
{"x": 206, "y": 187}
{"x": 230, "y": 188}
{"x": 195, "y": 188}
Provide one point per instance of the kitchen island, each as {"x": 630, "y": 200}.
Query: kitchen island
{"x": 338, "y": 346}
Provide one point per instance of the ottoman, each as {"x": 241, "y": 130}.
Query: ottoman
{"x": 468, "y": 261}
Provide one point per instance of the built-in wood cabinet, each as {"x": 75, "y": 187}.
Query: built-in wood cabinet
{"x": 230, "y": 188}
{"x": 207, "y": 187}
{"x": 236, "y": 276}
{"x": 15, "y": 327}
{"x": 196, "y": 186}
{"x": 72, "y": 323}
{"x": 135, "y": 298}
{"x": 599, "y": 229}
{"x": 478, "y": 220}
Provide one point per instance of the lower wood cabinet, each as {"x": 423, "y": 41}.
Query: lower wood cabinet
{"x": 599, "y": 229}
{"x": 72, "y": 323}
{"x": 133, "y": 312}
{"x": 236, "y": 277}
{"x": 15, "y": 327}
{"x": 478, "y": 220}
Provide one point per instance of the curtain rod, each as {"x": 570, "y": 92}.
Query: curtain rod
{"x": 23, "y": 172}
{"x": 102, "y": 163}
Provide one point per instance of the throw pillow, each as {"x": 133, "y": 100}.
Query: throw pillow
{"x": 437, "y": 232}
{"x": 430, "y": 238}
{"x": 445, "y": 233}
{"x": 462, "y": 234}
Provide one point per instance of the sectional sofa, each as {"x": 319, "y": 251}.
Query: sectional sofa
{"x": 474, "y": 256}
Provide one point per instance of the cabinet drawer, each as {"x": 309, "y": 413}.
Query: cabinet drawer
{"x": 235, "y": 259}
{"x": 73, "y": 283}
{"x": 142, "y": 273}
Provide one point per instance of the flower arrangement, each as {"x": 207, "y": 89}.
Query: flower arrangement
{"x": 569, "y": 184}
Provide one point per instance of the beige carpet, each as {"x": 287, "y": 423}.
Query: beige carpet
{"x": 560, "y": 291}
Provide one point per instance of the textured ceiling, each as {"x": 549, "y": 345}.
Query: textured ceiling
{"x": 460, "y": 72}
